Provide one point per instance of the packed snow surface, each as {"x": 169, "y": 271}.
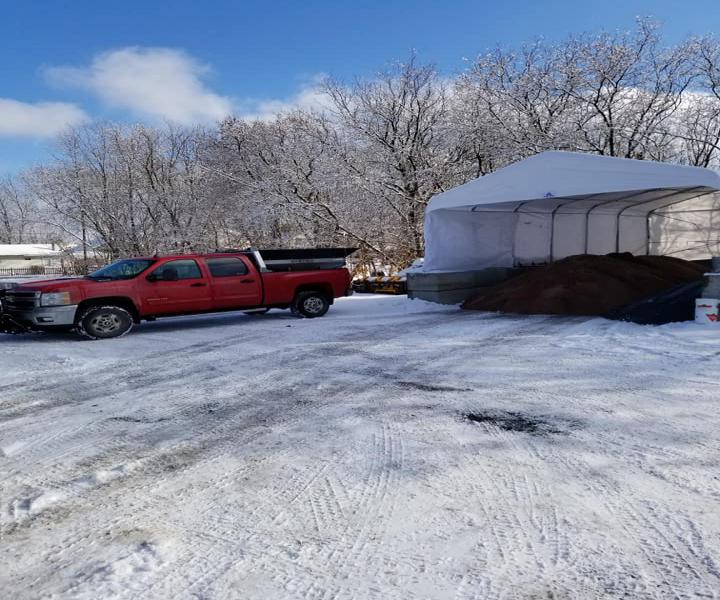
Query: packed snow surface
{"x": 392, "y": 449}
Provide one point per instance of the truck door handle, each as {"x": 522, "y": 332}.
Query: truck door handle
{"x": 247, "y": 281}
{"x": 198, "y": 284}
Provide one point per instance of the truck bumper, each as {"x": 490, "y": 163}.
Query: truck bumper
{"x": 45, "y": 316}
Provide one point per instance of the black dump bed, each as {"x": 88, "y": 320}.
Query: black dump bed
{"x": 300, "y": 259}
{"x": 303, "y": 259}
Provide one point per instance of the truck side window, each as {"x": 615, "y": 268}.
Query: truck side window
{"x": 176, "y": 270}
{"x": 227, "y": 267}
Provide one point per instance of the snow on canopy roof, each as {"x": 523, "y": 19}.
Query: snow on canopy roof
{"x": 28, "y": 250}
{"x": 569, "y": 174}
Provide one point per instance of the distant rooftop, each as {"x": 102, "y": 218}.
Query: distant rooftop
{"x": 28, "y": 250}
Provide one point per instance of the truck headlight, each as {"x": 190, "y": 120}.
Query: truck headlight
{"x": 55, "y": 299}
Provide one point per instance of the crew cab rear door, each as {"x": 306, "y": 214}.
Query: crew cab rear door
{"x": 176, "y": 287}
{"x": 235, "y": 282}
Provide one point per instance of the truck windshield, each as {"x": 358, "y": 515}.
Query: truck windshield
{"x": 122, "y": 269}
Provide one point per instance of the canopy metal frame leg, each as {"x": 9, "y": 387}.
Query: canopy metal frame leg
{"x": 552, "y": 225}
{"x": 670, "y": 195}
{"x": 652, "y": 212}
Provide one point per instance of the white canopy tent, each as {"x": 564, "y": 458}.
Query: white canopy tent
{"x": 557, "y": 204}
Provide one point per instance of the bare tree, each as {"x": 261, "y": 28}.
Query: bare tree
{"x": 519, "y": 102}
{"x": 398, "y": 144}
{"x": 18, "y": 223}
{"x": 132, "y": 190}
{"x": 362, "y": 172}
{"x": 626, "y": 87}
{"x": 288, "y": 169}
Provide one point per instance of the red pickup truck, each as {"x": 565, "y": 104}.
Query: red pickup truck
{"x": 108, "y": 302}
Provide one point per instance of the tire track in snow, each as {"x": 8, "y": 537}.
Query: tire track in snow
{"x": 525, "y": 537}
{"x": 523, "y": 491}
{"x": 226, "y": 428}
{"x": 677, "y": 566}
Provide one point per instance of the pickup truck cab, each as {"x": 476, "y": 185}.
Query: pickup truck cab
{"x": 110, "y": 301}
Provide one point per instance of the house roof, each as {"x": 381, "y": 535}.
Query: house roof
{"x": 31, "y": 250}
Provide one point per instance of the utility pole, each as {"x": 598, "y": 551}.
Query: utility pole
{"x": 84, "y": 235}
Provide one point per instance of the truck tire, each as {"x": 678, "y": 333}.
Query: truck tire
{"x": 311, "y": 304}
{"x": 104, "y": 322}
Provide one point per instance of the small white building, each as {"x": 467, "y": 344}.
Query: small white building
{"x": 29, "y": 257}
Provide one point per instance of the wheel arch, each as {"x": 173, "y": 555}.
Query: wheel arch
{"x": 121, "y": 301}
{"x": 324, "y": 288}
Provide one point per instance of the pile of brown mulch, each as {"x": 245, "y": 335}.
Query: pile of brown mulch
{"x": 585, "y": 285}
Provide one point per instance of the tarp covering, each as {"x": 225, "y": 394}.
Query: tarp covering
{"x": 558, "y": 204}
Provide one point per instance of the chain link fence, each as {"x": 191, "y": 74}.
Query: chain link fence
{"x": 70, "y": 269}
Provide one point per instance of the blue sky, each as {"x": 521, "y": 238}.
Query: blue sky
{"x": 68, "y": 61}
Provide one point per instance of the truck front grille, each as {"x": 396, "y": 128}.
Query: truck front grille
{"x": 21, "y": 300}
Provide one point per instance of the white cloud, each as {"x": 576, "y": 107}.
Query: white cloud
{"x": 161, "y": 83}
{"x": 41, "y": 119}
{"x": 309, "y": 97}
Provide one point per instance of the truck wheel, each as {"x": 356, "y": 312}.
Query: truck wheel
{"x": 311, "y": 304}
{"x": 104, "y": 322}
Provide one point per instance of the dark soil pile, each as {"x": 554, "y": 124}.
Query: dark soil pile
{"x": 585, "y": 285}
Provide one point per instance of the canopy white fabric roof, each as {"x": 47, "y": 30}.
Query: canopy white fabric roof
{"x": 557, "y": 204}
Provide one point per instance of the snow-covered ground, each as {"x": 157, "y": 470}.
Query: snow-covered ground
{"x": 271, "y": 457}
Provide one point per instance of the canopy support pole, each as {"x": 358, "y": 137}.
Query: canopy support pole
{"x": 552, "y": 226}
{"x": 654, "y": 210}
{"x": 621, "y": 211}
{"x": 515, "y": 227}
{"x": 587, "y": 217}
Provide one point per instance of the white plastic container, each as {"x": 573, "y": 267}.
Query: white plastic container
{"x": 706, "y": 311}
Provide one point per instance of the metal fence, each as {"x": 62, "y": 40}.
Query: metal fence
{"x": 35, "y": 270}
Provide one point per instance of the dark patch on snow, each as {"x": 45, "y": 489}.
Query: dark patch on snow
{"x": 174, "y": 461}
{"x": 128, "y": 419}
{"x": 518, "y": 422}
{"x": 209, "y": 408}
{"x": 426, "y": 387}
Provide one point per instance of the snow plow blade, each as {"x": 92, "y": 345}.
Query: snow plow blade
{"x": 11, "y": 326}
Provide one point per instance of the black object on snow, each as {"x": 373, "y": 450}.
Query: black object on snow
{"x": 10, "y": 325}
{"x": 669, "y": 306}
